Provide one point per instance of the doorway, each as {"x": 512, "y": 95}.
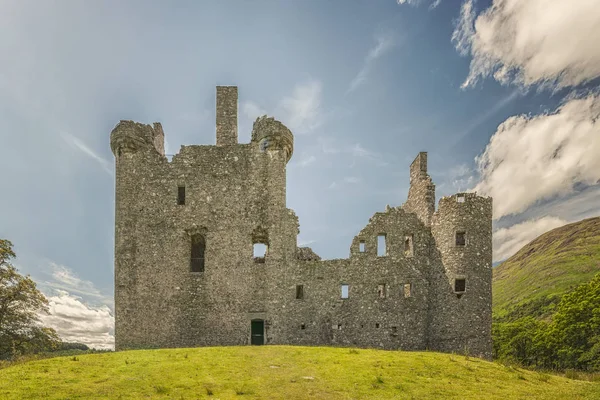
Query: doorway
{"x": 257, "y": 332}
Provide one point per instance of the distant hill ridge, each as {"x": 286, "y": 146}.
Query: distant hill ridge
{"x": 542, "y": 271}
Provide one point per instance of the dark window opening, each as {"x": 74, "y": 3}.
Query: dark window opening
{"x": 303, "y": 326}
{"x": 408, "y": 246}
{"x": 460, "y": 285}
{"x": 381, "y": 246}
{"x": 381, "y": 291}
{"x": 394, "y": 329}
{"x": 299, "y": 292}
{"x": 377, "y": 325}
{"x": 461, "y": 239}
{"x": 197, "y": 256}
{"x": 340, "y": 327}
{"x": 181, "y": 195}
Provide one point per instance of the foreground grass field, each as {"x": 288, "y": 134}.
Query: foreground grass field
{"x": 281, "y": 372}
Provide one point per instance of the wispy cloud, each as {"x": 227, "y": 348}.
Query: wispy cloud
{"x": 347, "y": 180}
{"x": 252, "y": 110}
{"x": 384, "y": 43}
{"x": 78, "y": 144}
{"x": 473, "y": 124}
{"x": 307, "y": 161}
{"x": 301, "y": 111}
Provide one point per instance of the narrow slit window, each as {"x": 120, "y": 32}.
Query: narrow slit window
{"x": 260, "y": 251}
{"x": 303, "y": 326}
{"x": 407, "y": 290}
{"x": 345, "y": 291}
{"x": 460, "y": 285}
{"x": 361, "y": 246}
{"x": 339, "y": 327}
{"x": 461, "y": 239}
{"x": 381, "y": 291}
{"x": 299, "y": 292}
{"x": 181, "y": 195}
{"x": 377, "y": 325}
{"x": 408, "y": 246}
{"x": 381, "y": 246}
{"x": 197, "y": 256}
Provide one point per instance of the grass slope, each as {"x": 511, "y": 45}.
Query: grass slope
{"x": 281, "y": 372}
{"x": 549, "y": 266}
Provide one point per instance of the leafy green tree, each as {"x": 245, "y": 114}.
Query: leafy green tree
{"x": 20, "y": 304}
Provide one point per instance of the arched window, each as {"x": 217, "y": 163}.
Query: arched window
{"x": 197, "y": 256}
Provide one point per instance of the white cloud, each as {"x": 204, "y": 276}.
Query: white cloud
{"x": 548, "y": 42}
{"x": 76, "y": 321}
{"x": 507, "y": 241}
{"x": 529, "y": 159}
{"x": 383, "y": 44}
{"x": 85, "y": 149}
{"x": 301, "y": 112}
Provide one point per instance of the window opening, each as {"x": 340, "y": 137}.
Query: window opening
{"x": 408, "y": 246}
{"x": 260, "y": 250}
{"x": 197, "y": 254}
{"x": 407, "y": 290}
{"x": 461, "y": 239}
{"x": 381, "y": 291}
{"x": 339, "y": 327}
{"x": 299, "y": 292}
{"x": 381, "y": 246}
{"x": 460, "y": 285}
{"x": 361, "y": 246}
{"x": 303, "y": 326}
{"x": 345, "y": 290}
{"x": 181, "y": 195}
{"x": 377, "y": 325}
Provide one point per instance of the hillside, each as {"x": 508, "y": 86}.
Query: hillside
{"x": 533, "y": 279}
{"x": 281, "y": 372}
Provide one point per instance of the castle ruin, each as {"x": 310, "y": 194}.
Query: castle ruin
{"x": 186, "y": 272}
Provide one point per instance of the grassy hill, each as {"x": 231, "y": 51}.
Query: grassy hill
{"x": 533, "y": 279}
{"x": 281, "y": 372}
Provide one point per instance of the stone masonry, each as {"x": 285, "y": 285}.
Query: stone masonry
{"x": 186, "y": 272}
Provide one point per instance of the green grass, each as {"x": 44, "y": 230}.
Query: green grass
{"x": 542, "y": 271}
{"x": 281, "y": 372}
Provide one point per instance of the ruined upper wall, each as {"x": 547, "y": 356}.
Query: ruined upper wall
{"x": 421, "y": 194}
{"x": 131, "y": 137}
{"x": 227, "y": 110}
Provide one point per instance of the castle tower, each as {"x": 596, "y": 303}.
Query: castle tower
{"x": 461, "y": 288}
{"x": 421, "y": 194}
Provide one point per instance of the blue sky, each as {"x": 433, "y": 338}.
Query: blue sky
{"x": 503, "y": 99}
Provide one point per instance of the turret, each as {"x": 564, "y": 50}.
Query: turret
{"x": 131, "y": 137}
{"x": 271, "y": 135}
{"x": 421, "y": 194}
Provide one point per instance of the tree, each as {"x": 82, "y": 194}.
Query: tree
{"x": 20, "y": 304}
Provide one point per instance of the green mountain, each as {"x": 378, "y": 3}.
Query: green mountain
{"x": 281, "y": 372}
{"x": 533, "y": 280}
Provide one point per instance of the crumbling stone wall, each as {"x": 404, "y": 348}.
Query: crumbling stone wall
{"x": 234, "y": 197}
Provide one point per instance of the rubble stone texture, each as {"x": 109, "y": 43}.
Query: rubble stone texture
{"x": 235, "y": 196}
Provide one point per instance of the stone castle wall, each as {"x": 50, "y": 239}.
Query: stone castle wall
{"x": 403, "y": 298}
